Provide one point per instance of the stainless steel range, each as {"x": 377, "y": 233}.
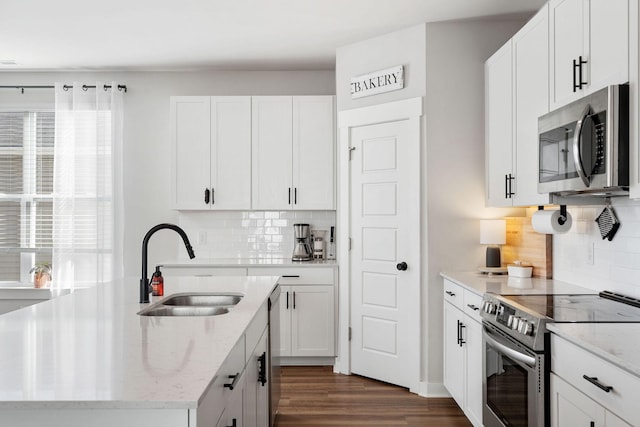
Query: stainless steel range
{"x": 516, "y": 349}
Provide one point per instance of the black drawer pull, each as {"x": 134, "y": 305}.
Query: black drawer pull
{"x": 473, "y": 307}
{"x": 451, "y": 294}
{"x": 262, "y": 369}
{"x": 293, "y": 276}
{"x": 232, "y": 384}
{"x": 595, "y": 382}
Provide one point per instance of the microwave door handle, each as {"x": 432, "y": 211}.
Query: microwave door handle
{"x": 577, "y": 136}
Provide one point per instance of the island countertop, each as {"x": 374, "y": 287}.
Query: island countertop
{"x": 90, "y": 349}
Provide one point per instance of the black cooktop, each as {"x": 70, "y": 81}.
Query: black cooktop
{"x": 607, "y": 307}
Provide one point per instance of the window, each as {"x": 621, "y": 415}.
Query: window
{"x": 26, "y": 187}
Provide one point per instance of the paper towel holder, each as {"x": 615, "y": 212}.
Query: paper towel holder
{"x": 563, "y": 213}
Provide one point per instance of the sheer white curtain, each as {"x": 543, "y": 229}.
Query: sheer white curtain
{"x": 87, "y": 185}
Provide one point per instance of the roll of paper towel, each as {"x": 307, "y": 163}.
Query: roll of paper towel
{"x": 548, "y": 222}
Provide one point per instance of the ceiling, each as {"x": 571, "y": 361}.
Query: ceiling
{"x": 211, "y": 34}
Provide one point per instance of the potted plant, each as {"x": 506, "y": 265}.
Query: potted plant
{"x": 41, "y": 274}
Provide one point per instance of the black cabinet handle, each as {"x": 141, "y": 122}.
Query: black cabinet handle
{"x": 402, "y": 266}
{"x": 262, "y": 369}
{"x": 473, "y": 307}
{"x": 508, "y": 186}
{"x": 206, "y": 195}
{"x": 234, "y": 379}
{"x": 294, "y": 300}
{"x": 451, "y": 294}
{"x": 287, "y": 300}
{"x": 458, "y": 327}
{"x": 577, "y": 66}
{"x": 461, "y": 339}
{"x": 213, "y": 196}
{"x": 234, "y": 423}
{"x": 595, "y": 382}
{"x": 289, "y": 195}
{"x": 295, "y": 196}
{"x": 291, "y": 276}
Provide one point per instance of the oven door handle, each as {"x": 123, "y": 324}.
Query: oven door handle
{"x": 505, "y": 349}
{"x": 577, "y": 138}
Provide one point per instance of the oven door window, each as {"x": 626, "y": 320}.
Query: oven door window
{"x": 507, "y": 389}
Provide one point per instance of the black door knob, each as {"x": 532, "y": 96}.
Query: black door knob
{"x": 402, "y": 266}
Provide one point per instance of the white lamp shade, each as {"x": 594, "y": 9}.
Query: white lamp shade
{"x": 493, "y": 231}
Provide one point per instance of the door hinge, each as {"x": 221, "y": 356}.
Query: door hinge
{"x": 350, "y": 151}
{"x": 349, "y": 333}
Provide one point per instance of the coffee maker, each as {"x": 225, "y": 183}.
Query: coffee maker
{"x": 302, "y": 248}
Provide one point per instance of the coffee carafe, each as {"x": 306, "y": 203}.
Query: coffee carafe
{"x": 302, "y": 247}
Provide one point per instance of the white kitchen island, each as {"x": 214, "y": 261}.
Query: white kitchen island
{"x": 88, "y": 359}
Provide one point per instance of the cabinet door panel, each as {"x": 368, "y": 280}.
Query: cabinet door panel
{"x": 454, "y": 369}
{"x": 272, "y": 152}
{"x": 231, "y": 152}
{"x": 567, "y": 32}
{"x": 609, "y": 43}
{"x": 569, "y": 407}
{"x": 190, "y": 137}
{"x": 312, "y": 321}
{"x": 313, "y": 152}
{"x": 499, "y": 131}
{"x": 531, "y": 100}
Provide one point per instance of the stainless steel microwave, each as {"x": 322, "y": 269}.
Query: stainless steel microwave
{"x": 583, "y": 147}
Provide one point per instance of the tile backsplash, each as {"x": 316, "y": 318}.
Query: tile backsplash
{"x": 583, "y": 258}
{"x": 248, "y": 234}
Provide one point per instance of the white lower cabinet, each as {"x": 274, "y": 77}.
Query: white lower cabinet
{"x": 307, "y": 311}
{"x": 232, "y": 415}
{"x": 587, "y": 390}
{"x": 463, "y": 349}
{"x": 256, "y": 387}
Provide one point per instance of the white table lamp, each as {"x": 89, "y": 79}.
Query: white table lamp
{"x": 493, "y": 232}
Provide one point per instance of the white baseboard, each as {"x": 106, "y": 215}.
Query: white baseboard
{"x": 432, "y": 390}
{"x": 307, "y": 361}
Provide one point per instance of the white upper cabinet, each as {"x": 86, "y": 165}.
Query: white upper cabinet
{"x": 589, "y": 47}
{"x": 211, "y": 139}
{"x": 530, "y": 101}
{"x": 499, "y": 127}
{"x": 293, "y": 152}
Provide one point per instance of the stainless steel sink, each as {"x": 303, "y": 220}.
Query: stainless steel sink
{"x": 162, "y": 310}
{"x": 193, "y": 304}
{"x": 203, "y": 300}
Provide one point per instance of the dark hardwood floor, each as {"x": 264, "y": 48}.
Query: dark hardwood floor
{"x": 315, "y": 396}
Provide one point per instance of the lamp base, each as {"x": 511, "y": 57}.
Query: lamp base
{"x": 493, "y": 257}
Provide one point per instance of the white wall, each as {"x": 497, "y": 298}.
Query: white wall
{"x": 146, "y": 134}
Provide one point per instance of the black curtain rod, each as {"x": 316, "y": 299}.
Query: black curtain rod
{"x": 65, "y": 87}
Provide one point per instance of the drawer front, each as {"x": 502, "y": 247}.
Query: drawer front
{"x": 472, "y": 304}
{"x": 298, "y": 276}
{"x": 454, "y": 294}
{"x": 215, "y": 399}
{"x": 203, "y": 271}
{"x": 571, "y": 362}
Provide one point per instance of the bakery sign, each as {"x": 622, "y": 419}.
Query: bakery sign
{"x": 377, "y": 82}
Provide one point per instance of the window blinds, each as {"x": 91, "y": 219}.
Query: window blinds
{"x": 26, "y": 186}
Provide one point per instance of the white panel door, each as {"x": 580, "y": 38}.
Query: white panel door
{"x": 231, "y": 152}
{"x": 313, "y": 152}
{"x": 272, "y": 135}
{"x": 190, "y": 138}
{"x": 385, "y": 198}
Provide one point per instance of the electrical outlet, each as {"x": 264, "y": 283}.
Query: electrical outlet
{"x": 590, "y": 251}
{"x": 202, "y": 238}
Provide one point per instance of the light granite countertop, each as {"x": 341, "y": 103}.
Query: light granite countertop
{"x": 617, "y": 343}
{"x": 90, "y": 349}
{"x": 504, "y": 285}
{"x": 246, "y": 263}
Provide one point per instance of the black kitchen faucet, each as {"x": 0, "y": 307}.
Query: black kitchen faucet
{"x": 144, "y": 280}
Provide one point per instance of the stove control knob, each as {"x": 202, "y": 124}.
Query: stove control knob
{"x": 515, "y": 324}
{"x": 510, "y": 320}
{"x": 489, "y": 307}
{"x": 526, "y": 328}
